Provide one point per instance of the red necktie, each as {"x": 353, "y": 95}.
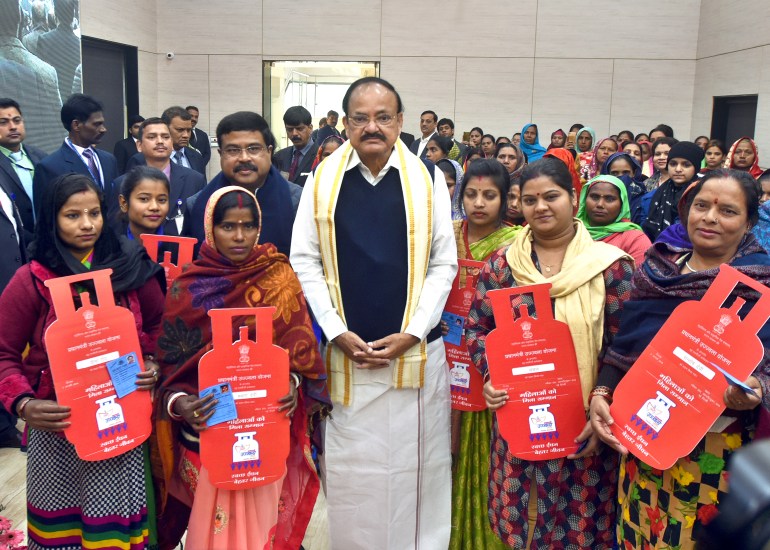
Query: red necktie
{"x": 294, "y": 164}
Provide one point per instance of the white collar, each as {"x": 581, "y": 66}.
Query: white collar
{"x": 355, "y": 160}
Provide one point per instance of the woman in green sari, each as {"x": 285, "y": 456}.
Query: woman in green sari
{"x": 484, "y": 193}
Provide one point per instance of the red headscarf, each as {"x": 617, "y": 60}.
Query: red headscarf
{"x": 567, "y": 158}
{"x": 754, "y": 169}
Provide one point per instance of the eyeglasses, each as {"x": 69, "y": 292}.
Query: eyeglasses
{"x": 359, "y": 121}
{"x": 233, "y": 152}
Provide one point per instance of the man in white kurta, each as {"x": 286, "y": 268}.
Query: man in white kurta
{"x": 373, "y": 247}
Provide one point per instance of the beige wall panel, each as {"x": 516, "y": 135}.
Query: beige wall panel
{"x": 148, "y": 83}
{"x": 210, "y": 27}
{"x": 459, "y": 27}
{"x": 423, "y": 83}
{"x": 183, "y": 80}
{"x": 731, "y": 25}
{"x": 652, "y": 29}
{"x": 323, "y": 27}
{"x": 117, "y": 21}
{"x": 493, "y": 93}
{"x": 665, "y": 98}
{"x": 572, "y": 90}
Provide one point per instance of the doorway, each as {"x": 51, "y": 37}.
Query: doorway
{"x": 319, "y": 86}
{"x": 733, "y": 117}
{"x": 111, "y": 75}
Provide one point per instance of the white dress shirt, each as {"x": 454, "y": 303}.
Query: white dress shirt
{"x": 442, "y": 266}
{"x": 423, "y": 143}
{"x": 79, "y": 150}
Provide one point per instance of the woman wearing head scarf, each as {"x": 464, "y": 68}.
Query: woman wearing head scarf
{"x": 667, "y": 509}
{"x": 584, "y": 140}
{"x": 234, "y": 271}
{"x": 330, "y": 144}
{"x": 530, "y": 143}
{"x": 604, "y": 210}
{"x": 743, "y": 155}
{"x": 625, "y": 167}
{"x": 682, "y": 166}
{"x": 453, "y": 174}
{"x": 604, "y": 148}
{"x": 558, "y": 139}
{"x": 566, "y": 157}
{"x": 73, "y": 502}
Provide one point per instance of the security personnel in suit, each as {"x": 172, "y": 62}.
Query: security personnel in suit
{"x": 428, "y": 121}
{"x": 296, "y": 161}
{"x": 199, "y": 140}
{"x": 83, "y": 119}
{"x": 127, "y": 148}
{"x": 18, "y": 162}
{"x": 179, "y": 123}
{"x": 155, "y": 145}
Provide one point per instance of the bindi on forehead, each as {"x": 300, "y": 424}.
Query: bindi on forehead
{"x": 716, "y": 200}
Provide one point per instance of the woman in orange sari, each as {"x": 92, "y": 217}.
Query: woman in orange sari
{"x": 232, "y": 271}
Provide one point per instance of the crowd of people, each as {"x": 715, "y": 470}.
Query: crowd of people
{"x": 354, "y": 238}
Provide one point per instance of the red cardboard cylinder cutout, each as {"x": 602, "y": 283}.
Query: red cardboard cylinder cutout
{"x": 533, "y": 359}
{"x": 252, "y": 449}
{"x": 673, "y": 394}
{"x": 466, "y": 381}
{"x": 184, "y": 253}
{"x": 79, "y": 345}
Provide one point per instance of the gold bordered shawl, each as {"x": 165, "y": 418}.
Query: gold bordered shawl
{"x": 417, "y": 187}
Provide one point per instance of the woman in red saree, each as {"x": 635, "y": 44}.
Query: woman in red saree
{"x": 234, "y": 271}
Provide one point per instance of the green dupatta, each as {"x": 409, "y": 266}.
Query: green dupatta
{"x": 622, "y": 222}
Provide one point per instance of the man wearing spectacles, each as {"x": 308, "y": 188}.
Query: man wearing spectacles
{"x": 295, "y": 161}
{"x": 373, "y": 247}
{"x": 245, "y": 156}
{"x": 428, "y": 122}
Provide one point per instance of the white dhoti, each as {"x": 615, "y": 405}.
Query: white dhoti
{"x": 387, "y": 462}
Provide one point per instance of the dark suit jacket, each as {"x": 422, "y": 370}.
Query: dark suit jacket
{"x": 12, "y": 252}
{"x": 200, "y": 141}
{"x": 184, "y": 184}
{"x": 407, "y": 138}
{"x": 325, "y": 132}
{"x": 61, "y": 49}
{"x": 124, "y": 150}
{"x": 195, "y": 158}
{"x": 11, "y": 184}
{"x": 416, "y": 145}
{"x": 64, "y": 161}
{"x": 282, "y": 160}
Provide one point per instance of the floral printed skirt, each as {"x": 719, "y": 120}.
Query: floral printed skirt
{"x": 666, "y": 509}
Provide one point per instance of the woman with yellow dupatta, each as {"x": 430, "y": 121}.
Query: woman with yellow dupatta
{"x": 566, "y": 502}
{"x": 232, "y": 271}
{"x": 484, "y": 192}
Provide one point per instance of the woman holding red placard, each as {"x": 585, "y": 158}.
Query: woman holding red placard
{"x": 571, "y": 501}
{"x": 484, "y": 191}
{"x": 232, "y": 271}
{"x": 73, "y": 502}
{"x": 665, "y": 509}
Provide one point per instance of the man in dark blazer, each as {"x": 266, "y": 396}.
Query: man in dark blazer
{"x": 156, "y": 146}
{"x": 428, "y": 121}
{"x": 18, "y": 162}
{"x": 407, "y": 138}
{"x": 127, "y": 148}
{"x": 82, "y": 117}
{"x": 199, "y": 140}
{"x": 179, "y": 123}
{"x": 299, "y": 125}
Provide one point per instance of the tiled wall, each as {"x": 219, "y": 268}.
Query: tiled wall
{"x": 607, "y": 64}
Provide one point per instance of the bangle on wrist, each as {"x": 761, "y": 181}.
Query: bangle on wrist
{"x": 21, "y": 406}
{"x": 170, "y": 405}
{"x": 600, "y": 391}
{"x": 148, "y": 357}
{"x": 297, "y": 379}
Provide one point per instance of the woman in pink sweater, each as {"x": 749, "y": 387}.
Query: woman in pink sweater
{"x": 604, "y": 210}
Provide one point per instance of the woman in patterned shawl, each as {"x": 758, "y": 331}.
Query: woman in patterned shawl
{"x": 233, "y": 271}
{"x": 667, "y": 509}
